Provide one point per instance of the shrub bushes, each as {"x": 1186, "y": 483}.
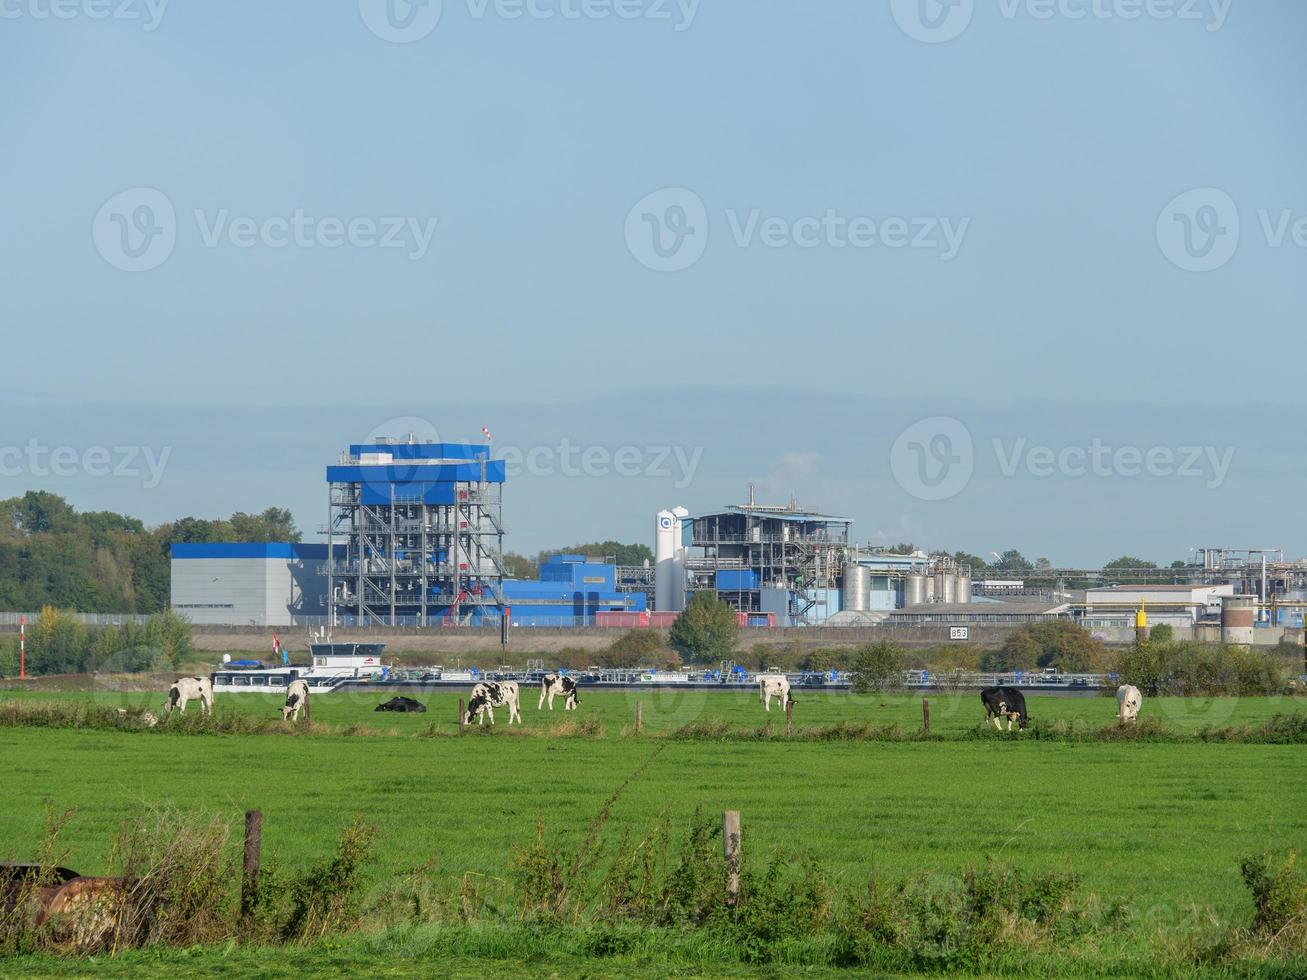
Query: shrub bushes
{"x": 1190, "y": 669}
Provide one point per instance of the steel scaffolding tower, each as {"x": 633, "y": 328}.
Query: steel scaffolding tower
{"x": 423, "y": 532}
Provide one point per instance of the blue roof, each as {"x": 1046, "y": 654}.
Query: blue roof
{"x": 422, "y": 450}
{"x": 263, "y": 549}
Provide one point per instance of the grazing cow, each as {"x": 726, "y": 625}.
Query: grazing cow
{"x": 401, "y": 704}
{"x": 552, "y": 685}
{"x": 1128, "y": 701}
{"x": 490, "y": 695}
{"x": 773, "y": 686}
{"x": 1004, "y": 702}
{"x": 297, "y": 698}
{"x": 190, "y": 689}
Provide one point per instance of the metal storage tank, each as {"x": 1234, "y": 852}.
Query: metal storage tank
{"x": 1238, "y": 619}
{"x": 857, "y": 588}
{"x": 945, "y": 587}
{"x": 914, "y": 590}
{"x": 964, "y": 588}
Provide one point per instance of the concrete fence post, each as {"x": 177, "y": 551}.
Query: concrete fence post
{"x": 731, "y": 854}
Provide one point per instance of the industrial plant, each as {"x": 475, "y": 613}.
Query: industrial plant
{"x": 414, "y": 537}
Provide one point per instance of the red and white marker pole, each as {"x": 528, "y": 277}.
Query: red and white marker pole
{"x": 22, "y": 648}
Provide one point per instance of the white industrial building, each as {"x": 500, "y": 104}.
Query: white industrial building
{"x": 266, "y": 584}
{"x": 1173, "y": 605}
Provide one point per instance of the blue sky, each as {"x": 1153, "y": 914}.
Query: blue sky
{"x": 1019, "y": 189}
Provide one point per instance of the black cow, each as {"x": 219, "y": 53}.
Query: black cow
{"x": 1004, "y": 702}
{"x": 401, "y": 704}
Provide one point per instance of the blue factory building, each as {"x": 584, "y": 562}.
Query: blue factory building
{"x": 422, "y": 529}
{"x": 570, "y": 590}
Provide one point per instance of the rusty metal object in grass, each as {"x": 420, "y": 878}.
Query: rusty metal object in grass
{"x": 79, "y": 912}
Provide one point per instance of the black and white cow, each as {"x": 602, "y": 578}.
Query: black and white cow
{"x": 1128, "y": 702}
{"x": 297, "y": 699}
{"x": 552, "y": 685}
{"x": 773, "y": 686}
{"x": 1004, "y": 702}
{"x": 488, "y": 696}
{"x": 190, "y": 689}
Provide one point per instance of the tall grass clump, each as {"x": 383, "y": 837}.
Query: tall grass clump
{"x": 177, "y": 876}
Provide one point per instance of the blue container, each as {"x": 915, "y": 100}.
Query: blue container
{"x": 737, "y": 581}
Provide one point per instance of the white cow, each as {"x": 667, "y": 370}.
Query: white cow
{"x": 1128, "y": 700}
{"x": 146, "y": 718}
{"x": 773, "y": 686}
{"x": 488, "y": 696}
{"x": 552, "y": 685}
{"x": 297, "y": 698}
{"x": 190, "y": 689}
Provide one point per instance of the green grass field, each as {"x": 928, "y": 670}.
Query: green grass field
{"x": 1160, "y": 825}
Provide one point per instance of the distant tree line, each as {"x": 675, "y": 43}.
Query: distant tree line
{"x": 98, "y": 561}
{"x": 59, "y": 643}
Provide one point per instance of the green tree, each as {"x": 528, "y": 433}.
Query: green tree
{"x": 1012, "y": 561}
{"x": 1059, "y": 644}
{"x": 639, "y": 648}
{"x": 1127, "y": 561}
{"x": 1161, "y": 633}
{"x": 519, "y": 566}
{"x": 876, "y": 666}
{"x": 707, "y": 631}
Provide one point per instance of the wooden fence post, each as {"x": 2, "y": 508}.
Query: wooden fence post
{"x": 789, "y": 716}
{"x": 925, "y": 715}
{"x": 308, "y": 711}
{"x": 462, "y": 715}
{"x": 253, "y": 848}
{"x": 639, "y": 716}
{"x": 731, "y": 853}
